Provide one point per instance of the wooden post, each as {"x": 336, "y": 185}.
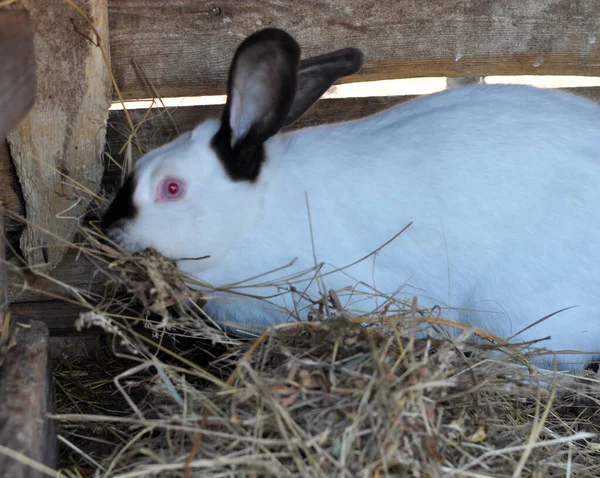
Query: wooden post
{"x": 3, "y": 287}
{"x": 58, "y": 146}
{"x": 26, "y": 397}
{"x": 17, "y": 71}
{"x": 17, "y": 95}
{"x": 26, "y": 388}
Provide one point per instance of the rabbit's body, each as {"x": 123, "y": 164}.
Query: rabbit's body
{"x": 500, "y": 183}
{"x": 498, "y": 225}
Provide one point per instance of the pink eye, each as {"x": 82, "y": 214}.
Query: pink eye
{"x": 171, "y": 189}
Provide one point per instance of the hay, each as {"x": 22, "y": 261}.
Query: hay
{"x": 333, "y": 398}
{"x": 166, "y": 392}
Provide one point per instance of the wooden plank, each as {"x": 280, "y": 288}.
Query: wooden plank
{"x": 26, "y": 387}
{"x": 3, "y": 279}
{"x": 11, "y": 196}
{"x": 17, "y": 94}
{"x": 60, "y": 142}
{"x": 184, "y": 47}
{"x": 163, "y": 125}
{"x": 75, "y": 271}
{"x": 17, "y": 69}
{"x": 26, "y": 396}
{"x": 57, "y": 315}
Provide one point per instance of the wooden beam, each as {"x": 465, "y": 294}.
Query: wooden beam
{"x": 162, "y": 125}
{"x": 17, "y": 69}
{"x": 17, "y": 95}
{"x": 57, "y": 315}
{"x": 185, "y": 47}
{"x": 3, "y": 283}
{"x": 74, "y": 271}
{"x": 11, "y": 196}
{"x": 26, "y": 387}
{"x": 26, "y": 397}
{"x": 57, "y": 148}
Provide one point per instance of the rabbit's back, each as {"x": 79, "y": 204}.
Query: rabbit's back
{"x": 500, "y": 183}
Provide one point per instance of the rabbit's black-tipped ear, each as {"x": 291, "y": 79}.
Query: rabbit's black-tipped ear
{"x": 261, "y": 89}
{"x": 318, "y": 73}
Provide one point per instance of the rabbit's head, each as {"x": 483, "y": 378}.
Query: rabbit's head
{"x": 195, "y": 196}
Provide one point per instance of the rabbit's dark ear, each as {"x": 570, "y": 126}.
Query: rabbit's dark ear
{"x": 261, "y": 89}
{"x": 318, "y": 73}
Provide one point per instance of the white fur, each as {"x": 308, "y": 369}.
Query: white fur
{"x": 501, "y": 183}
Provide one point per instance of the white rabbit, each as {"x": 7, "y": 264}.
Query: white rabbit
{"x": 500, "y": 186}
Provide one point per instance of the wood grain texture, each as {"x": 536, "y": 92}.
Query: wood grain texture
{"x": 3, "y": 277}
{"x": 159, "y": 126}
{"x": 183, "y": 47}
{"x": 11, "y": 195}
{"x": 57, "y": 315}
{"x": 17, "y": 68}
{"x": 75, "y": 271}
{"x": 65, "y": 130}
{"x": 17, "y": 94}
{"x": 26, "y": 396}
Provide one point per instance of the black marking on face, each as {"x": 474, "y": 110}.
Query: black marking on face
{"x": 122, "y": 206}
{"x": 243, "y": 162}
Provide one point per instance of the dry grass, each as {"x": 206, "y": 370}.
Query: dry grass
{"x": 170, "y": 394}
{"x": 316, "y": 399}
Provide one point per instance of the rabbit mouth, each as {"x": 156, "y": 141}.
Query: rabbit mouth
{"x": 119, "y": 236}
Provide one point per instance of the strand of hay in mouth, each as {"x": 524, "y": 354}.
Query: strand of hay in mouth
{"x": 335, "y": 399}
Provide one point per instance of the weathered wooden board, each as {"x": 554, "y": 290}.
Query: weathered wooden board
{"x": 183, "y": 47}
{"x": 57, "y": 315}
{"x": 162, "y": 125}
{"x": 17, "y": 94}
{"x": 74, "y": 271}
{"x": 64, "y": 132}
{"x": 26, "y": 390}
{"x": 3, "y": 287}
{"x": 11, "y": 196}
{"x": 26, "y": 396}
{"x": 17, "y": 68}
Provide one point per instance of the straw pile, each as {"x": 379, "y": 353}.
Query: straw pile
{"x": 167, "y": 393}
{"x": 173, "y": 396}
